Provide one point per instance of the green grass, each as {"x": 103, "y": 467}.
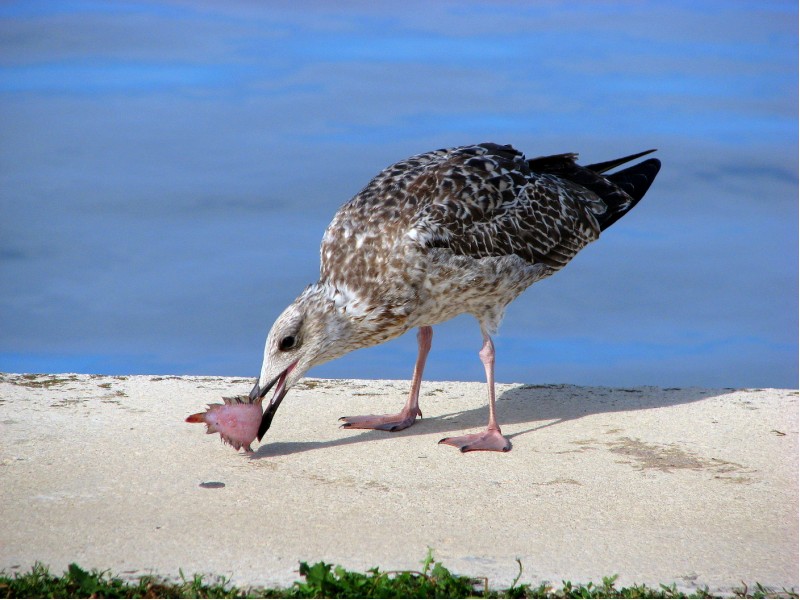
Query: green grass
{"x": 322, "y": 580}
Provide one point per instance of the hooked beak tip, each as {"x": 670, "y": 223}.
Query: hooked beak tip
{"x": 257, "y": 391}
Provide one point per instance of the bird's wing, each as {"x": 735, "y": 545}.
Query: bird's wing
{"x": 366, "y": 229}
{"x": 485, "y": 200}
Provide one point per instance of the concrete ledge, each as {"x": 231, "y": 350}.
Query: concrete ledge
{"x": 691, "y": 486}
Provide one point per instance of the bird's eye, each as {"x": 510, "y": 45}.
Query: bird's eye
{"x": 287, "y": 343}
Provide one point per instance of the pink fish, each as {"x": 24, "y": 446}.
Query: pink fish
{"x": 236, "y": 421}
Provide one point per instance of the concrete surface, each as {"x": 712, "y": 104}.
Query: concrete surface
{"x": 692, "y": 486}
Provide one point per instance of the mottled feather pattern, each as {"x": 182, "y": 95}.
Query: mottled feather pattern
{"x": 465, "y": 230}
{"x": 478, "y": 201}
{"x": 480, "y": 208}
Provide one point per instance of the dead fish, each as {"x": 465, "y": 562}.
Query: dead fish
{"x": 236, "y": 421}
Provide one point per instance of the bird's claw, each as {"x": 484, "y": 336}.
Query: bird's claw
{"x": 398, "y": 422}
{"x": 490, "y": 440}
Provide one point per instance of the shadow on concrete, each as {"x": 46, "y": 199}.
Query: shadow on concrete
{"x": 538, "y": 406}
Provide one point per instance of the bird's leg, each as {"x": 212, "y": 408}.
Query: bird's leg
{"x": 407, "y": 416}
{"x": 492, "y": 438}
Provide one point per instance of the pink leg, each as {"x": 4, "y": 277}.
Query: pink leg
{"x": 407, "y": 416}
{"x": 492, "y": 438}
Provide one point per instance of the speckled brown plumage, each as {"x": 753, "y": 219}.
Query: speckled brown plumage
{"x": 459, "y": 216}
{"x": 461, "y": 230}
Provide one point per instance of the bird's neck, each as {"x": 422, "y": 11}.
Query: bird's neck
{"x": 351, "y": 321}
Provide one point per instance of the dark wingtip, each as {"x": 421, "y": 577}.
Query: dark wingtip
{"x": 610, "y": 164}
{"x": 634, "y": 182}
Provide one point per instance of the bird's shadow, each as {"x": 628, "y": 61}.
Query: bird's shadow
{"x": 537, "y": 406}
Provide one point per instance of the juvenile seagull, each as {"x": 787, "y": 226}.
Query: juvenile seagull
{"x": 460, "y": 230}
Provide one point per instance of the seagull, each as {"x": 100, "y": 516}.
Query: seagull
{"x": 458, "y": 230}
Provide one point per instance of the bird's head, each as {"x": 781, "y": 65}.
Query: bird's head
{"x": 309, "y": 332}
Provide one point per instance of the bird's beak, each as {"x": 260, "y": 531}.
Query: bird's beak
{"x": 259, "y": 392}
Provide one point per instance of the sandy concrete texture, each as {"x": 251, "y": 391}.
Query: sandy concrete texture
{"x": 692, "y": 486}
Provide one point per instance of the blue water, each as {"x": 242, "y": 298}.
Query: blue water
{"x": 167, "y": 171}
